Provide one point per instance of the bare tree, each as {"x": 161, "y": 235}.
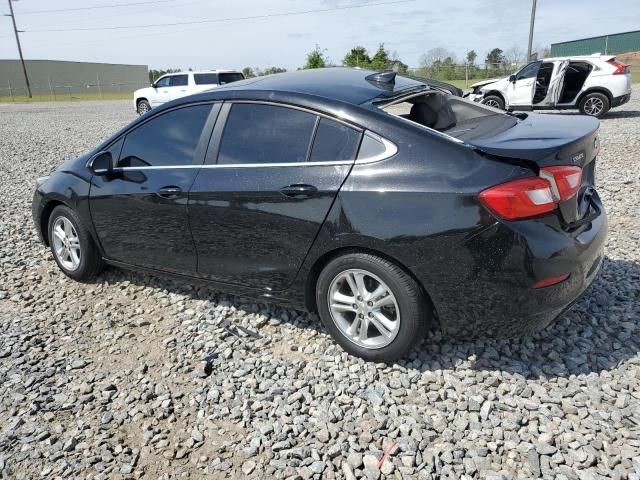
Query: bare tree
{"x": 435, "y": 55}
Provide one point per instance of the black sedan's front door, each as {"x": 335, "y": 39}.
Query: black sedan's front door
{"x": 140, "y": 210}
{"x": 267, "y": 186}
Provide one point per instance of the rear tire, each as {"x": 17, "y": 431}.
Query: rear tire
{"x": 143, "y": 107}
{"x": 381, "y": 322}
{"x": 71, "y": 244}
{"x": 594, "y": 104}
{"x": 493, "y": 101}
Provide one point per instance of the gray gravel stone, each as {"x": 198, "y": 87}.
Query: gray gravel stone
{"x": 107, "y": 379}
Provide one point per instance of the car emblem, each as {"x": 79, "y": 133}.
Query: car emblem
{"x": 577, "y": 157}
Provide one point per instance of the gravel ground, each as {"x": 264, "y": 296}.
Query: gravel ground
{"x": 107, "y": 379}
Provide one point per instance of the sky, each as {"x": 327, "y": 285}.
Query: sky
{"x": 230, "y": 40}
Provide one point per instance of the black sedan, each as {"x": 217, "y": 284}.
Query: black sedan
{"x": 383, "y": 203}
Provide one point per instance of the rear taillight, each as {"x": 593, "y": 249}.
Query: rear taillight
{"x": 621, "y": 68}
{"x": 530, "y": 197}
{"x": 518, "y": 199}
{"x": 567, "y": 180}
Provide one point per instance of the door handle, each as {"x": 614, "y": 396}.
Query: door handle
{"x": 169, "y": 192}
{"x": 299, "y": 190}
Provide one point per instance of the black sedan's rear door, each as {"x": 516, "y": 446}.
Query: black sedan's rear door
{"x": 270, "y": 177}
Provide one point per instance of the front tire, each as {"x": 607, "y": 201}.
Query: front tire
{"x": 143, "y": 107}
{"x": 594, "y": 105}
{"x": 371, "y": 307}
{"x": 493, "y": 101}
{"x": 71, "y": 244}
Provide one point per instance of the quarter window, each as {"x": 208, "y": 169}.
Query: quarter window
{"x": 334, "y": 141}
{"x": 371, "y": 147}
{"x": 257, "y": 133}
{"x": 179, "y": 81}
{"x": 169, "y": 139}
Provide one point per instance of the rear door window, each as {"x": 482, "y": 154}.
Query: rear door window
{"x": 179, "y": 81}
{"x": 259, "y": 134}
{"x": 169, "y": 139}
{"x": 334, "y": 141}
{"x": 206, "y": 78}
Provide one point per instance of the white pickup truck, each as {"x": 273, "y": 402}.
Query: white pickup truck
{"x": 180, "y": 84}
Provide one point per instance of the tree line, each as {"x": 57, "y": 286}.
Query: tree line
{"x": 437, "y": 63}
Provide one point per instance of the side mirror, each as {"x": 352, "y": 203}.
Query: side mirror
{"x": 512, "y": 78}
{"x": 101, "y": 163}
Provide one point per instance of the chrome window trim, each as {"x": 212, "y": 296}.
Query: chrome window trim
{"x": 297, "y": 107}
{"x": 390, "y": 148}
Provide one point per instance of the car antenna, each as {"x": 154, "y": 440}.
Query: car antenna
{"x": 388, "y": 77}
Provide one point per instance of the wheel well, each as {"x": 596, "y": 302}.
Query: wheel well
{"x": 495, "y": 93}
{"x": 320, "y": 263}
{"x": 140, "y": 100}
{"x": 44, "y": 219}
{"x": 602, "y": 90}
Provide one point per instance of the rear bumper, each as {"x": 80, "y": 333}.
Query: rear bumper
{"x": 488, "y": 292}
{"x": 621, "y": 100}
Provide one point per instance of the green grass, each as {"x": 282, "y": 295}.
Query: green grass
{"x": 62, "y": 97}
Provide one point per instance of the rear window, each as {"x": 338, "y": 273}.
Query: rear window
{"x": 229, "y": 77}
{"x": 206, "y": 78}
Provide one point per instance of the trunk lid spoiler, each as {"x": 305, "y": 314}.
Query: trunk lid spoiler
{"x": 549, "y": 140}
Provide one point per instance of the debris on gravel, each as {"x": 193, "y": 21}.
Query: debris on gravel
{"x": 135, "y": 376}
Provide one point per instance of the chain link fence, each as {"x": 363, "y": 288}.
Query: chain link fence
{"x": 54, "y": 91}
{"x": 465, "y": 74}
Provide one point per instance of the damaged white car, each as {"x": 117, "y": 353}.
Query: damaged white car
{"x": 593, "y": 84}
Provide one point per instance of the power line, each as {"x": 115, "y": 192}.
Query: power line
{"x": 33, "y": 12}
{"x": 221, "y": 20}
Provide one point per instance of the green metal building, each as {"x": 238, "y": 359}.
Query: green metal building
{"x": 614, "y": 44}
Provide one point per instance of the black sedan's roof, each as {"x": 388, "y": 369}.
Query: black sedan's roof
{"x": 348, "y": 85}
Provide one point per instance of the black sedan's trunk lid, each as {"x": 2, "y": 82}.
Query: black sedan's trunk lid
{"x": 548, "y": 140}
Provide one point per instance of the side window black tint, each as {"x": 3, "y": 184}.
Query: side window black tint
{"x": 179, "y": 81}
{"x": 168, "y": 139}
{"x": 334, "y": 141}
{"x": 115, "y": 148}
{"x": 230, "y": 77}
{"x": 370, "y": 147}
{"x": 163, "y": 82}
{"x": 257, "y": 133}
{"x": 205, "y": 78}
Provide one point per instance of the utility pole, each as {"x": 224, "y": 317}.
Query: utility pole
{"x": 15, "y": 30}
{"x": 533, "y": 19}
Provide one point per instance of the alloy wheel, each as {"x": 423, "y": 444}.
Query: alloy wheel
{"x": 593, "y": 106}
{"x": 143, "y": 108}
{"x": 66, "y": 243}
{"x": 492, "y": 103}
{"x": 364, "y": 308}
